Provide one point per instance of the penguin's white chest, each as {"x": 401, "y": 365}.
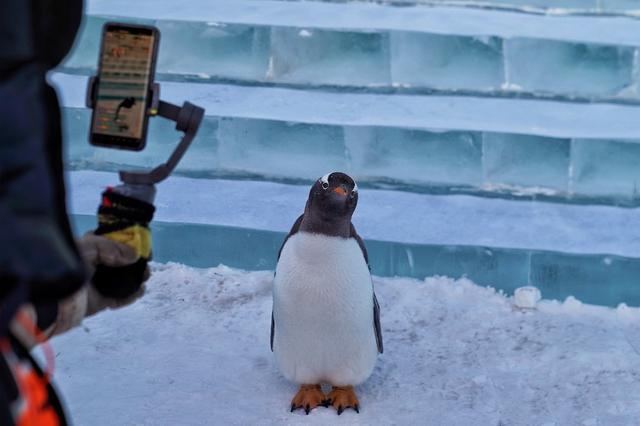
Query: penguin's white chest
{"x": 323, "y": 311}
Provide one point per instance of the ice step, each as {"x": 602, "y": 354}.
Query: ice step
{"x": 375, "y": 47}
{"x": 551, "y": 7}
{"x": 591, "y": 252}
{"x": 547, "y": 7}
{"x": 533, "y": 149}
{"x": 374, "y": 16}
{"x": 521, "y": 116}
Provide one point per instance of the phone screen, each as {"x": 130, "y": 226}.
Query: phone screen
{"x": 126, "y": 70}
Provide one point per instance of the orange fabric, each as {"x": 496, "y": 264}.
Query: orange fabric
{"x": 49, "y": 356}
{"x": 37, "y": 411}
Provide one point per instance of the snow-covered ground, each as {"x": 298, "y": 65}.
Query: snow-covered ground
{"x": 195, "y": 351}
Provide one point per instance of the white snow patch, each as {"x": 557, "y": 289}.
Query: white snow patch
{"x": 526, "y": 297}
{"x": 511, "y": 86}
{"x": 195, "y": 350}
{"x": 520, "y": 190}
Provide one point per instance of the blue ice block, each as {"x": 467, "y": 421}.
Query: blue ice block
{"x": 603, "y": 280}
{"x": 202, "y": 49}
{"x": 378, "y": 58}
{"x": 598, "y": 279}
{"x": 569, "y": 68}
{"x": 446, "y": 61}
{"x": 619, "y": 5}
{"x": 556, "y": 4}
{"x": 527, "y": 5}
{"x": 201, "y": 158}
{"x": 526, "y": 160}
{"x": 415, "y": 156}
{"x": 280, "y": 149}
{"x": 209, "y": 49}
{"x": 418, "y": 160}
{"x": 204, "y": 245}
{"x": 610, "y": 167}
{"x": 501, "y": 268}
{"x": 319, "y": 56}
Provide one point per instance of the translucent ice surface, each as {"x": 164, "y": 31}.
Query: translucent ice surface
{"x": 438, "y": 18}
{"x": 280, "y": 149}
{"x": 516, "y": 101}
{"x": 207, "y": 48}
{"x": 445, "y": 61}
{"x": 501, "y": 243}
{"x": 610, "y": 166}
{"x": 162, "y": 139}
{"x": 619, "y": 5}
{"x": 475, "y": 162}
{"x": 549, "y": 6}
{"x": 551, "y": 66}
{"x": 202, "y": 49}
{"x": 337, "y": 107}
{"x": 527, "y": 160}
{"x": 414, "y": 156}
{"x": 597, "y": 279}
{"x": 486, "y": 52}
{"x": 328, "y": 57}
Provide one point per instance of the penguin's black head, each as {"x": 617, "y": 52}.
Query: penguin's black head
{"x": 333, "y": 197}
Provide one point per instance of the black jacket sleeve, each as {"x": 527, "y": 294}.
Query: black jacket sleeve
{"x": 37, "y": 247}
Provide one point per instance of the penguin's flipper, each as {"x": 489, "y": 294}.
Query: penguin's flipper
{"x": 273, "y": 329}
{"x": 357, "y": 237}
{"x": 376, "y": 305}
{"x": 294, "y": 230}
{"x": 376, "y": 323}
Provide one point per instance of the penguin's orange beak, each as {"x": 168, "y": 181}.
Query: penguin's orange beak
{"x": 340, "y": 191}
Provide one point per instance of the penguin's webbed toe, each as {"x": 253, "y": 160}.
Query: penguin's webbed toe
{"x": 308, "y": 398}
{"x": 343, "y": 397}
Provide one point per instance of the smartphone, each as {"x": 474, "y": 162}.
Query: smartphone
{"x": 126, "y": 70}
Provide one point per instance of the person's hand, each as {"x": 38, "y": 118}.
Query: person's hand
{"x": 103, "y": 254}
{"x": 119, "y": 250}
{"x": 97, "y": 250}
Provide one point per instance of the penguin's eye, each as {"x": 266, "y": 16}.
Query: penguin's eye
{"x": 353, "y": 193}
{"x": 325, "y": 185}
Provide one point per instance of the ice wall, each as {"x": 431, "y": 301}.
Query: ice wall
{"x": 550, "y": 6}
{"x": 506, "y": 64}
{"x": 473, "y": 162}
{"x": 322, "y": 49}
{"x": 524, "y": 99}
{"x": 596, "y": 279}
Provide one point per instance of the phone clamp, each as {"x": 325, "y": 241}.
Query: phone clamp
{"x": 187, "y": 118}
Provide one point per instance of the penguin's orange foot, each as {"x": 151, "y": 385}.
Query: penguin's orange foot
{"x": 343, "y": 397}
{"x": 308, "y": 398}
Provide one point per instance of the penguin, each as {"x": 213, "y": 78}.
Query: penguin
{"x": 325, "y": 323}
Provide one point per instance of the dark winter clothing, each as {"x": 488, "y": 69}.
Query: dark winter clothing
{"x": 42, "y": 272}
{"x": 38, "y": 248}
